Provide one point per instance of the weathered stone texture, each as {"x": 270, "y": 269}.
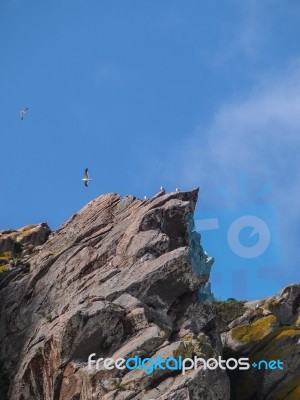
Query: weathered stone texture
{"x": 116, "y": 280}
{"x": 268, "y": 330}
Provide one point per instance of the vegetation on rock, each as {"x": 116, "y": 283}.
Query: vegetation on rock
{"x": 227, "y": 311}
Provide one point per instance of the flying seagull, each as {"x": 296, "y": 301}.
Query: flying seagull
{"x": 23, "y": 112}
{"x": 86, "y": 178}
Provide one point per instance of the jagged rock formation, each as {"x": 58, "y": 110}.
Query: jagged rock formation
{"x": 30, "y": 236}
{"x": 121, "y": 278}
{"x": 116, "y": 280}
{"x": 17, "y": 246}
{"x": 268, "y": 330}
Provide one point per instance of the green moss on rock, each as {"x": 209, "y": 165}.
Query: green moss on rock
{"x": 227, "y": 311}
{"x": 199, "y": 345}
{"x": 185, "y": 350}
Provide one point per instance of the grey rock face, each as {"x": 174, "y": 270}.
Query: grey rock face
{"x": 268, "y": 330}
{"x": 116, "y": 280}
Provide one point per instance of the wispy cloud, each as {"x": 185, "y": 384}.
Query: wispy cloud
{"x": 260, "y": 132}
{"x": 260, "y": 135}
{"x": 244, "y": 37}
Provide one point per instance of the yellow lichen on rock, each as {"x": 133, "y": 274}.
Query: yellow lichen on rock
{"x": 255, "y": 331}
{"x": 200, "y": 345}
{"x": 289, "y": 391}
{"x": 278, "y": 347}
{"x": 6, "y": 255}
{"x": 286, "y": 332}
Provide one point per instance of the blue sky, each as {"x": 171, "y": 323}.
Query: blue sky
{"x": 146, "y": 93}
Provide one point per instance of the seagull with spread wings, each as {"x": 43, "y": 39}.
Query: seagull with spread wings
{"x": 86, "y": 179}
{"x": 23, "y": 112}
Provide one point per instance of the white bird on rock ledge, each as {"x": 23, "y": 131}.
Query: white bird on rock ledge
{"x": 177, "y": 190}
{"x": 86, "y": 179}
{"x": 162, "y": 189}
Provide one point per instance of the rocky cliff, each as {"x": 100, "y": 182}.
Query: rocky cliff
{"x": 116, "y": 280}
{"x": 123, "y": 278}
{"x": 269, "y": 329}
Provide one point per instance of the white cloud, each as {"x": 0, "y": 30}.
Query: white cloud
{"x": 256, "y": 133}
{"x": 259, "y": 135}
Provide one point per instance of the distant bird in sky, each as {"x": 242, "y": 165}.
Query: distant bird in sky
{"x": 23, "y": 112}
{"x": 86, "y": 179}
{"x": 177, "y": 190}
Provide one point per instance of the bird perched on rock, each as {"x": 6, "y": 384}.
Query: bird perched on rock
{"x": 145, "y": 197}
{"x": 177, "y": 190}
{"x": 86, "y": 179}
{"x": 23, "y": 112}
{"x": 162, "y": 189}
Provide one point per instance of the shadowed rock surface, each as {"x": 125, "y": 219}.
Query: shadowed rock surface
{"x": 268, "y": 330}
{"x": 116, "y": 280}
